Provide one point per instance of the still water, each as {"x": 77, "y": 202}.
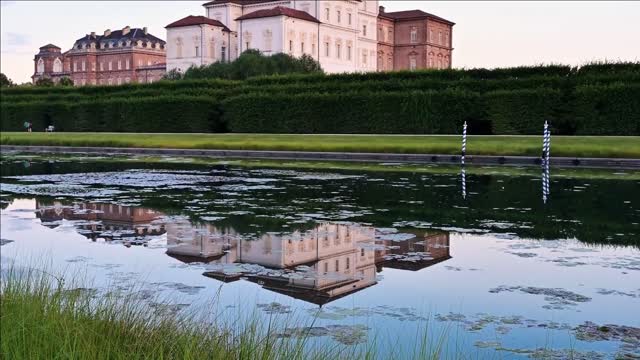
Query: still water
{"x": 501, "y": 266}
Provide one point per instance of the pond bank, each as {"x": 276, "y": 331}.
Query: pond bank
{"x": 613, "y": 163}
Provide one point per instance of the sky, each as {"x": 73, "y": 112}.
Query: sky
{"x": 487, "y": 34}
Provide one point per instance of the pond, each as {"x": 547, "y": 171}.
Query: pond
{"x": 500, "y": 265}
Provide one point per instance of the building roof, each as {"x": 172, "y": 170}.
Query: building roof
{"x": 413, "y": 14}
{"x": 280, "y": 11}
{"x": 134, "y": 34}
{"x": 196, "y": 20}
{"x": 49, "y": 46}
{"x": 239, "y": 2}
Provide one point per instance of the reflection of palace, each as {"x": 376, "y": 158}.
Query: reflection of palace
{"x": 319, "y": 265}
{"x": 102, "y": 220}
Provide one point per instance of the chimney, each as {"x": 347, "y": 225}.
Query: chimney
{"x": 93, "y": 34}
{"x": 381, "y": 9}
{"x": 126, "y": 30}
{"x": 107, "y": 32}
{"x": 144, "y": 30}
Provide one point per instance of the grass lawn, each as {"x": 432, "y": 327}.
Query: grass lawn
{"x": 570, "y": 146}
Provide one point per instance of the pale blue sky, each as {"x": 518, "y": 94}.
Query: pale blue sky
{"x": 487, "y": 34}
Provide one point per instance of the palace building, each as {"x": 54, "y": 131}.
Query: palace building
{"x": 342, "y": 35}
{"x": 113, "y": 58}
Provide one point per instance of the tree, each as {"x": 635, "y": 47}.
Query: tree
{"x": 44, "y": 82}
{"x": 173, "y": 74}
{"x": 5, "y": 81}
{"x": 65, "y": 81}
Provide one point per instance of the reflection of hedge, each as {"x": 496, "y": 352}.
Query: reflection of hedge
{"x": 597, "y": 215}
{"x": 594, "y": 99}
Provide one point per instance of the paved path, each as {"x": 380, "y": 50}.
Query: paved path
{"x": 337, "y": 156}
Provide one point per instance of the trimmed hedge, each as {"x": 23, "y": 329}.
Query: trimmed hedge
{"x": 157, "y": 114}
{"x": 383, "y": 113}
{"x": 608, "y": 110}
{"x": 596, "y": 99}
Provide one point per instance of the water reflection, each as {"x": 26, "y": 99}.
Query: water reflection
{"x": 320, "y": 265}
{"x": 111, "y": 222}
{"x": 545, "y": 181}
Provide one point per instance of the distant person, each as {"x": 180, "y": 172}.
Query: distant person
{"x": 28, "y": 125}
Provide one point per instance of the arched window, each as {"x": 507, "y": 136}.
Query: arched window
{"x": 413, "y": 62}
{"x": 57, "y": 65}
{"x": 40, "y": 67}
{"x": 414, "y": 34}
{"x": 212, "y": 49}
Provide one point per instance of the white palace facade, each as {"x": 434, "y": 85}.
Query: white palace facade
{"x": 340, "y": 34}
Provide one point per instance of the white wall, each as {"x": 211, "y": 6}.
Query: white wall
{"x": 209, "y": 39}
{"x": 255, "y": 31}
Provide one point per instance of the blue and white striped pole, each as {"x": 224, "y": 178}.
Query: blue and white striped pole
{"x": 546, "y": 142}
{"x": 464, "y": 153}
{"x": 464, "y": 142}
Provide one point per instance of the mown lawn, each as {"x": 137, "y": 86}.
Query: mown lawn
{"x": 570, "y": 146}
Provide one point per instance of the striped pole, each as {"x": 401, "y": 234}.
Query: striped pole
{"x": 464, "y": 142}
{"x": 545, "y": 182}
{"x": 544, "y": 141}
{"x": 464, "y": 183}
{"x": 548, "y": 144}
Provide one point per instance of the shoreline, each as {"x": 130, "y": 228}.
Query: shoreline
{"x": 569, "y": 162}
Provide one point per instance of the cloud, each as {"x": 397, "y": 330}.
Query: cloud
{"x": 17, "y": 39}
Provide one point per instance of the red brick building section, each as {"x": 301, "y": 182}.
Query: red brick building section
{"x": 114, "y": 58}
{"x": 413, "y": 40}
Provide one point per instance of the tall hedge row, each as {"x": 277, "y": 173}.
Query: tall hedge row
{"x": 153, "y": 114}
{"x": 594, "y": 99}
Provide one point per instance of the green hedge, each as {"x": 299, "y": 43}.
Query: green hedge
{"x": 594, "y": 99}
{"x": 159, "y": 114}
{"x": 385, "y": 113}
{"x": 608, "y": 110}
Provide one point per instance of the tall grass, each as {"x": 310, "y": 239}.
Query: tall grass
{"x": 45, "y": 317}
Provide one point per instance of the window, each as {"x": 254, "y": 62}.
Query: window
{"x": 290, "y": 45}
{"x": 347, "y": 265}
{"x": 119, "y": 64}
{"x": 327, "y": 14}
{"x": 84, "y": 66}
{"x": 349, "y": 18}
{"x": 93, "y": 66}
{"x": 247, "y": 45}
{"x": 338, "y": 51}
{"x": 119, "y": 81}
{"x": 40, "y": 66}
{"x": 75, "y": 67}
{"x": 349, "y": 53}
{"x": 197, "y": 51}
{"x": 446, "y": 39}
{"x": 361, "y": 252}
{"x": 337, "y": 265}
{"x": 364, "y": 30}
{"x": 302, "y": 47}
{"x": 326, "y": 267}
{"x": 223, "y": 53}
{"x": 440, "y": 38}
{"x": 364, "y": 58}
{"x": 339, "y": 16}
{"x": 414, "y": 35}
{"x": 431, "y": 36}
{"x": 57, "y": 65}
{"x": 326, "y": 49}
{"x": 127, "y": 64}
{"x": 390, "y": 36}
{"x": 412, "y": 63}
{"x": 139, "y": 62}
{"x": 110, "y": 81}
{"x": 127, "y": 80}
{"x": 439, "y": 63}
{"x": 110, "y": 66}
